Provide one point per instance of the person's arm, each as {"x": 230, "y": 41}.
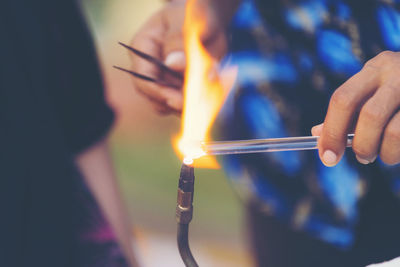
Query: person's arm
{"x": 97, "y": 169}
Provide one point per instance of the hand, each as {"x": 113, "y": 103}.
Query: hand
{"x": 368, "y": 104}
{"x": 161, "y": 37}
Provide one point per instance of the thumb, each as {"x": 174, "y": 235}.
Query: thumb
{"x": 172, "y": 43}
{"x": 174, "y": 55}
{"x": 176, "y": 60}
{"x": 328, "y": 157}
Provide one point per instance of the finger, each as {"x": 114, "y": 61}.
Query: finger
{"x": 169, "y": 99}
{"x": 156, "y": 101}
{"x": 151, "y": 90}
{"x": 390, "y": 148}
{"x": 172, "y": 105}
{"x": 165, "y": 111}
{"x": 162, "y": 109}
{"x": 345, "y": 102}
{"x": 149, "y": 44}
{"x": 150, "y": 40}
{"x": 174, "y": 99}
{"x": 173, "y": 46}
{"x": 176, "y": 60}
{"x": 374, "y": 116}
{"x": 317, "y": 129}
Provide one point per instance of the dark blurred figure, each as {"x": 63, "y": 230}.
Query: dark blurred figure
{"x": 54, "y": 163}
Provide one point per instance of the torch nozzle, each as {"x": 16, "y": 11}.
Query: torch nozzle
{"x": 184, "y": 207}
{"x": 184, "y": 213}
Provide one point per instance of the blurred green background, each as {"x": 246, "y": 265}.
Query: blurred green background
{"x": 146, "y": 164}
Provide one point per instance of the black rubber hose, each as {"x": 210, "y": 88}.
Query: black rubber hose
{"x": 183, "y": 245}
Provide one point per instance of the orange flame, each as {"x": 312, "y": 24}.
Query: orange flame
{"x": 204, "y": 93}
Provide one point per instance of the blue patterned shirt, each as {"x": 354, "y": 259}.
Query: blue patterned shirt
{"x": 292, "y": 55}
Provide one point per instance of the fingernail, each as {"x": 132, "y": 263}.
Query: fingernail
{"x": 362, "y": 161}
{"x": 329, "y": 158}
{"x": 365, "y": 161}
{"x": 175, "y": 59}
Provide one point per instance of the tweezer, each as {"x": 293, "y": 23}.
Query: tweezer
{"x": 154, "y": 61}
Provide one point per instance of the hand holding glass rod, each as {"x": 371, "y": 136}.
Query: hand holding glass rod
{"x": 264, "y": 145}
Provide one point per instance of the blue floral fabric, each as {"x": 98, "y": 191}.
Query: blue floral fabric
{"x": 292, "y": 55}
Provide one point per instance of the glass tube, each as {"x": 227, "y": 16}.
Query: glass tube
{"x": 264, "y": 145}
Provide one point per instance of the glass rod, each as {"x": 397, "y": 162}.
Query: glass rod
{"x": 264, "y": 145}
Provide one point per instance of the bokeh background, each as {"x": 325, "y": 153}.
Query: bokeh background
{"x": 147, "y": 167}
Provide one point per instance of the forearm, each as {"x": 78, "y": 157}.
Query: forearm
{"x": 96, "y": 167}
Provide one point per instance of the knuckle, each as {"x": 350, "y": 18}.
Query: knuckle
{"x": 373, "y": 113}
{"x": 342, "y": 99}
{"x": 392, "y": 134}
{"x": 392, "y": 82}
{"x": 371, "y": 65}
{"x": 386, "y": 56}
{"x": 381, "y": 60}
{"x": 392, "y": 87}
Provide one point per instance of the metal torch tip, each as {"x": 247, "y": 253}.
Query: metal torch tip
{"x": 184, "y": 207}
{"x": 186, "y": 179}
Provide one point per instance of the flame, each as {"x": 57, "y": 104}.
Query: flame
{"x": 204, "y": 92}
